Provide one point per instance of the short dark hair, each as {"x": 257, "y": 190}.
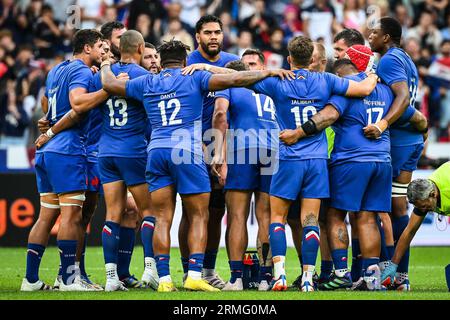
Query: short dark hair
{"x": 301, "y": 49}
{"x": 237, "y": 65}
{"x": 207, "y": 19}
{"x": 342, "y": 63}
{"x": 25, "y": 47}
{"x": 46, "y": 7}
{"x": 445, "y": 41}
{"x": 250, "y": 52}
{"x": 350, "y": 37}
{"x": 108, "y": 28}
{"x": 173, "y": 51}
{"x": 391, "y": 27}
{"x": 85, "y": 37}
{"x": 130, "y": 41}
{"x": 150, "y": 46}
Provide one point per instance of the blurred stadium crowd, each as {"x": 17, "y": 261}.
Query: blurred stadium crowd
{"x": 36, "y": 34}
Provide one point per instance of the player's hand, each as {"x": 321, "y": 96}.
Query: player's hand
{"x": 216, "y": 164}
{"x": 43, "y": 124}
{"x": 189, "y": 70}
{"x": 388, "y": 274}
{"x": 290, "y": 136}
{"x": 282, "y": 74}
{"x": 123, "y": 76}
{"x": 223, "y": 174}
{"x": 41, "y": 140}
{"x": 94, "y": 69}
{"x": 374, "y": 131}
{"x": 370, "y": 73}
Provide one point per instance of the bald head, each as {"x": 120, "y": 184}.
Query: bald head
{"x": 131, "y": 41}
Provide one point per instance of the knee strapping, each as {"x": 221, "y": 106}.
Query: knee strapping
{"x": 399, "y": 189}
{"x": 72, "y": 200}
{"x": 49, "y": 200}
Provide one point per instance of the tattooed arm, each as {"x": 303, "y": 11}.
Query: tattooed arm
{"x": 321, "y": 120}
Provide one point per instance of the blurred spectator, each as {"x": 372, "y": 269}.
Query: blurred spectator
{"x": 91, "y": 12}
{"x": 176, "y": 31}
{"x": 152, "y": 8}
{"x": 437, "y": 8}
{"x": 174, "y": 13}
{"x": 110, "y": 14}
{"x": 229, "y": 31}
{"x": 276, "y": 52}
{"x": 260, "y": 24}
{"x": 191, "y": 10}
{"x": 60, "y": 8}
{"x": 246, "y": 9}
{"x": 10, "y": 18}
{"x": 121, "y": 10}
{"x": 402, "y": 15}
{"x": 7, "y": 43}
{"x": 445, "y": 32}
{"x": 319, "y": 21}
{"x": 47, "y": 33}
{"x": 427, "y": 32}
{"x": 292, "y": 25}
{"x": 144, "y": 26}
{"x": 244, "y": 42}
{"x": 354, "y": 15}
{"x": 16, "y": 120}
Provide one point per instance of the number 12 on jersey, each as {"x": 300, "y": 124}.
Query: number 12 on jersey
{"x": 172, "y": 103}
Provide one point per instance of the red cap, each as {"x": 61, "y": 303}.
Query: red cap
{"x": 361, "y": 56}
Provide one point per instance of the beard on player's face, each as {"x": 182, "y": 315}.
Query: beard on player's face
{"x": 115, "y": 51}
{"x": 211, "y": 52}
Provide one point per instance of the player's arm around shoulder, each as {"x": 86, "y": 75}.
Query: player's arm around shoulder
{"x": 110, "y": 83}
{"x": 363, "y": 88}
{"x": 189, "y": 70}
{"x": 321, "y": 120}
{"x": 246, "y": 78}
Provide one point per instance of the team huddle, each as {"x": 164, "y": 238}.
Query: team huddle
{"x": 140, "y": 124}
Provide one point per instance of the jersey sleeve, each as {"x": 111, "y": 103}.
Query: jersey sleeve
{"x": 96, "y": 83}
{"x": 409, "y": 112}
{"x": 223, "y": 94}
{"x": 80, "y": 78}
{"x": 340, "y": 103}
{"x": 391, "y": 71}
{"x": 336, "y": 84}
{"x": 266, "y": 86}
{"x": 202, "y": 78}
{"x": 135, "y": 88}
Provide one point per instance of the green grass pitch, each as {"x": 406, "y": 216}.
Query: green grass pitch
{"x": 426, "y": 275}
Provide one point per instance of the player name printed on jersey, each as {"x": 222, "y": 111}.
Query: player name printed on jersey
{"x": 173, "y": 103}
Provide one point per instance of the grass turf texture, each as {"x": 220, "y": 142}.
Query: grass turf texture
{"x": 426, "y": 276}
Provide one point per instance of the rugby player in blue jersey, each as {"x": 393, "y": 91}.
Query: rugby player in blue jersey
{"x": 250, "y": 161}
{"x": 61, "y": 164}
{"x": 318, "y": 64}
{"x": 397, "y": 70}
{"x": 175, "y": 161}
{"x": 122, "y": 159}
{"x": 360, "y": 175}
{"x": 303, "y": 165}
{"x": 209, "y": 36}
